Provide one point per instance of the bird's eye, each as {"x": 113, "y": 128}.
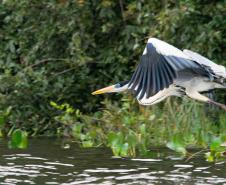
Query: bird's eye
{"x": 117, "y": 85}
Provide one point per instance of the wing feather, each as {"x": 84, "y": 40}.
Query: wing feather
{"x": 170, "y": 72}
{"x": 153, "y": 90}
{"x": 163, "y": 75}
{"x": 139, "y": 85}
{"x": 151, "y": 81}
{"x": 215, "y": 69}
{"x": 157, "y": 77}
{"x": 144, "y": 83}
{"x": 158, "y": 68}
{"x": 133, "y": 83}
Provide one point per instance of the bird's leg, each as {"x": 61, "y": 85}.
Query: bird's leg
{"x": 197, "y": 96}
{"x": 217, "y": 104}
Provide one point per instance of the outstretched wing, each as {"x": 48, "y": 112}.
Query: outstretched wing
{"x": 158, "y": 68}
{"x": 199, "y": 58}
{"x": 216, "y": 69}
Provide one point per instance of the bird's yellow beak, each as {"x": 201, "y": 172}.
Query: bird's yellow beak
{"x": 104, "y": 90}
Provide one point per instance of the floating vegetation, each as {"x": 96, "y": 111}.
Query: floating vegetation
{"x": 19, "y": 139}
{"x": 131, "y": 130}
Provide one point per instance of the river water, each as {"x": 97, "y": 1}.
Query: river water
{"x": 47, "y": 162}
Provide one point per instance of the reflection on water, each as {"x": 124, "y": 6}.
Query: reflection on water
{"x": 45, "y": 162}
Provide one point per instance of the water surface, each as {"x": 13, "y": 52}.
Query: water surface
{"x": 46, "y": 161}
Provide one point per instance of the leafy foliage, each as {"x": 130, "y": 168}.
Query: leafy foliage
{"x": 130, "y": 130}
{"x": 217, "y": 149}
{"x": 59, "y": 51}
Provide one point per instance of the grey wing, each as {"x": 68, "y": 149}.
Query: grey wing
{"x": 199, "y": 58}
{"x": 214, "y": 69}
{"x": 158, "y": 69}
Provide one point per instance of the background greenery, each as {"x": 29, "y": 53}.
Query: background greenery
{"x": 54, "y": 53}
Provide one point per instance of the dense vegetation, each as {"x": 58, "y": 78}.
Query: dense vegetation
{"x": 54, "y": 53}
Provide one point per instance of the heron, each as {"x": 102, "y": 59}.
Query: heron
{"x": 165, "y": 70}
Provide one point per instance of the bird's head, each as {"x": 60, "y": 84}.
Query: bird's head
{"x": 119, "y": 87}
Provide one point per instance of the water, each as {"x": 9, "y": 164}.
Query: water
{"x": 47, "y": 162}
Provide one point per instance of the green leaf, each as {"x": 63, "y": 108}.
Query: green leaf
{"x": 143, "y": 129}
{"x": 77, "y": 129}
{"x": 18, "y": 140}
{"x": 132, "y": 139}
{"x": 209, "y": 157}
{"x": 215, "y": 144}
{"x": 124, "y": 149}
{"x": 176, "y": 147}
{"x": 112, "y": 138}
{"x": 2, "y": 120}
{"x": 87, "y": 144}
{"x": 115, "y": 139}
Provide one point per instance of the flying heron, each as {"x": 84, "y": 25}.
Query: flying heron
{"x": 165, "y": 71}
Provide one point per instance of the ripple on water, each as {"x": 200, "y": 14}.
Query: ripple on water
{"x": 83, "y": 181}
{"x": 183, "y": 166}
{"x": 39, "y": 167}
{"x": 24, "y": 156}
{"x": 147, "y": 160}
{"x": 143, "y": 176}
{"x": 18, "y": 171}
{"x": 49, "y": 164}
{"x": 109, "y": 170}
{"x": 58, "y": 163}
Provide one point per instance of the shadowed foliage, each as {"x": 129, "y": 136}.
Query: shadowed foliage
{"x": 61, "y": 51}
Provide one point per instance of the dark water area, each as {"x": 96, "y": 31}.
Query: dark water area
{"x": 47, "y": 162}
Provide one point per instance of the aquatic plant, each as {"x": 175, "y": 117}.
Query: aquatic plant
{"x": 19, "y": 139}
{"x": 217, "y": 149}
{"x": 131, "y": 130}
{"x": 59, "y": 50}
